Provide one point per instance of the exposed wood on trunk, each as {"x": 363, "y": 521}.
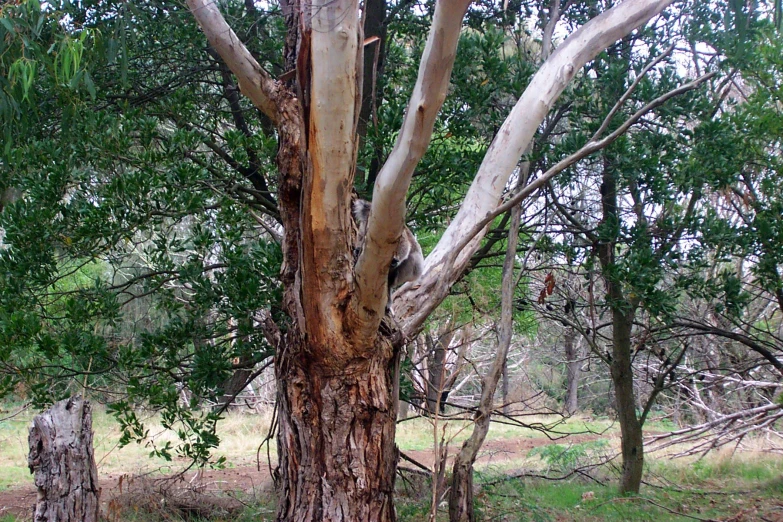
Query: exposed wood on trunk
{"x": 331, "y": 114}
{"x": 63, "y": 463}
{"x": 335, "y": 392}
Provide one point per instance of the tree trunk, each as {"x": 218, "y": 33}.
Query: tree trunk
{"x": 632, "y": 443}
{"x": 504, "y": 389}
{"x": 572, "y": 364}
{"x": 623, "y": 312}
{"x": 62, "y": 461}
{"x": 336, "y": 373}
{"x": 436, "y": 369}
{"x": 232, "y": 387}
{"x": 336, "y": 435}
{"x": 461, "y": 493}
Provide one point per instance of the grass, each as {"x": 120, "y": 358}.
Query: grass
{"x": 716, "y": 497}
{"x": 717, "y": 487}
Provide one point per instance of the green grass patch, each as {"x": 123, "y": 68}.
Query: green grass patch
{"x": 721, "y": 470}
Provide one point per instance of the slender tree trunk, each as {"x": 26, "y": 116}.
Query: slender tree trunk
{"x": 504, "y": 389}
{"x": 62, "y": 460}
{"x": 632, "y": 443}
{"x": 233, "y": 386}
{"x": 336, "y": 435}
{"x": 461, "y": 493}
{"x": 572, "y": 365}
{"x": 436, "y": 369}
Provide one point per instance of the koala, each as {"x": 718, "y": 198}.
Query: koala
{"x": 408, "y": 260}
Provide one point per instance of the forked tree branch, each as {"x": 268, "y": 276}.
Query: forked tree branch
{"x": 418, "y": 300}
{"x": 388, "y": 206}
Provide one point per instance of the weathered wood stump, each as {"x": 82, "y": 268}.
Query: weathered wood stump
{"x": 63, "y": 463}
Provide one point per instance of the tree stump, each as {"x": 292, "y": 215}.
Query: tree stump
{"x": 63, "y": 463}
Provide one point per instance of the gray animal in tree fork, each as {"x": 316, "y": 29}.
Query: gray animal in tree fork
{"x": 408, "y": 260}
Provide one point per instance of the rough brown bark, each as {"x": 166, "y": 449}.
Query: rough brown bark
{"x": 62, "y": 461}
{"x": 572, "y": 365}
{"x": 336, "y": 434}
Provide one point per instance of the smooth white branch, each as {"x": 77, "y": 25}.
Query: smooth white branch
{"x": 446, "y": 262}
{"x": 387, "y": 213}
{"x": 254, "y": 81}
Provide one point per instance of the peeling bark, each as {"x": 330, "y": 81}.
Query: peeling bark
{"x": 336, "y": 435}
{"x": 63, "y": 463}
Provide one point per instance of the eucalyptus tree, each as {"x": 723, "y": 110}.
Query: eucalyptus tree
{"x": 336, "y": 362}
{"x": 134, "y": 178}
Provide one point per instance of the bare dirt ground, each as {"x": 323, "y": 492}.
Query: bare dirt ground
{"x": 248, "y": 479}
{"x": 244, "y": 479}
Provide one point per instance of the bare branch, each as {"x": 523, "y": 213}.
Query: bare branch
{"x": 629, "y": 91}
{"x": 465, "y": 242}
{"x": 254, "y": 82}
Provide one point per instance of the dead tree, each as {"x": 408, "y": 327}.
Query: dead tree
{"x": 63, "y": 463}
